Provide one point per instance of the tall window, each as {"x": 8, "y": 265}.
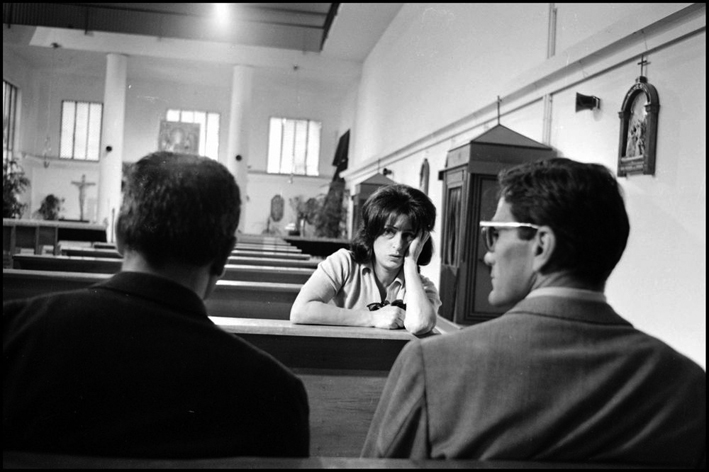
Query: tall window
{"x": 80, "y": 130}
{"x": 208, "y": 129}
{"x": 9, "y": 118}
{"x": 294, "y": 146}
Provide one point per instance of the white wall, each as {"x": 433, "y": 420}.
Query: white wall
{"x": 151, "y": 91}
{"x": 431, "y": 84}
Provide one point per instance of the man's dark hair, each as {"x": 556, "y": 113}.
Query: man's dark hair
{"x": 386, "y": 205}
{"x": 179, "y": 207}
{"x": 582, "y": 203}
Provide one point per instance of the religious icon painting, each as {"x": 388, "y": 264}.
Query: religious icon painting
{"x": 638, "y": 129}
{"x": 180, "y": 137}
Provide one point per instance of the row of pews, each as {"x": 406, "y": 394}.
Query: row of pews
{"x": 344, "y": 369}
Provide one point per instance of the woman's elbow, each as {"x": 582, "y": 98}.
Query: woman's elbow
{"x": 420, "y": 327}
{"x": 298, "y": 314}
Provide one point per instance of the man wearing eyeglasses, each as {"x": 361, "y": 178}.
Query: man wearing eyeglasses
{"x": 560, "y": 376}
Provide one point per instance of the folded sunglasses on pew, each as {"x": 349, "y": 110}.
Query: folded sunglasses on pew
{"x": 377, "y": 305}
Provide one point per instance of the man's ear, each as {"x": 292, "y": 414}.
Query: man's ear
{"x": 120, "y": 243}
{"x": 220, "y": 261}
{"x": 544, "y": 245}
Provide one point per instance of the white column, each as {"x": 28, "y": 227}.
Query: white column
{"x": 111, "y": 166}
{"x": 238, "y": 144}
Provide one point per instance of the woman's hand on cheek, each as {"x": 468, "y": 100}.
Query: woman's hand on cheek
{"x": 417, "y": 245}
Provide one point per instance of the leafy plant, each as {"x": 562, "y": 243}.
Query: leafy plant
{"x": 331, "y": 217}
{"x": 14, "y": 182}
{"x": 325, "y": 212}
{"x": 51, "y": 207}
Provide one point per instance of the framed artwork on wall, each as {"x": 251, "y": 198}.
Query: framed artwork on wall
{"x": 638, "y": 129}
{"x": 179, "y": 137}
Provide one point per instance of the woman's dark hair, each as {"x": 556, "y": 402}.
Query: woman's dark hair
{"x": 179, "y": 207}
{"x": 582, "y": 203}
{"x": 388, "y": 204}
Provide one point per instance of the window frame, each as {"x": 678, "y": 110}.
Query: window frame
{"x": 90, "y": 145}
{"x": 311, "y": 157}
{"x": 10, "y": 101}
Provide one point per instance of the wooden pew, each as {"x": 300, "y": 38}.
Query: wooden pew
{"x": 112, "y": 253}
{"x": 257, "y": 248}
{"x": 237, "y": 260}
{"x": 266, "y": 261}
{"x": 343, "y": 368}
{"x": 230, "y": 298}
{"x": 28, "y": 460}
{"x": 241, "y": 246}
{"x": 36, "y": 234}
{"x": 271, "y": 255}
{"x": 260, "y": 239}
{"x": 245, "y": 272}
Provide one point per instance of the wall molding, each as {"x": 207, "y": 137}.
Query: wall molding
{"x": 651, "y": 28}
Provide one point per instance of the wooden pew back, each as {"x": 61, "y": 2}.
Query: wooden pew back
{"x": 114, "y": 254}
{"x": 344, "y": 370}
{"x": 243, "y": 272}
{"x": 230, "y": 298}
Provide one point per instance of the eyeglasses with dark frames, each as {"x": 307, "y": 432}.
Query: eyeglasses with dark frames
{"x": 377, "y": 305}
{"x": 490, "y": 230}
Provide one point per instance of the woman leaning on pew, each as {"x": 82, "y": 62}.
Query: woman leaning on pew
{"x": 377, "y": 282}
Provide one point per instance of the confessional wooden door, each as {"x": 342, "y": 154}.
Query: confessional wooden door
{"x": 455, "y": 187}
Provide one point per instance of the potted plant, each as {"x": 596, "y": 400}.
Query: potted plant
{"x": 14, "y": 182}
{"x": 50, "y": 208}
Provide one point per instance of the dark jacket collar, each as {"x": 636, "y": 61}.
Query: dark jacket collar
{"x": 156, "y": 289}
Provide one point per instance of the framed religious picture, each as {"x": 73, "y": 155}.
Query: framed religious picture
{"x": 638, "y": 129}
{"x": 179, "y": 137}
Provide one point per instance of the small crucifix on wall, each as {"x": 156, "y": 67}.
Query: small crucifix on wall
{"x": 82, "y": 193}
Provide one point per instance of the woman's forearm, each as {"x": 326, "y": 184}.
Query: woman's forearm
{"x": 420, "y": 314}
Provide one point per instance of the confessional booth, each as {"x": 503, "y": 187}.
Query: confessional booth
{"x": 470, "y": 196}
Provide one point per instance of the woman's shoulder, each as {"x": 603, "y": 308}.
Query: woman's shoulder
{"x": 342, "y": 254}
{"x": 339, "y": 265}
{"x": 340, "y": 258}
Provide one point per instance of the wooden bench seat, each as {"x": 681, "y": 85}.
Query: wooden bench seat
{"x": 230, "y": 298}
{"x": 243, "y": 272}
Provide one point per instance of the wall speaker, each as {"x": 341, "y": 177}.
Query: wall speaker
{"x": 587, "y": 102}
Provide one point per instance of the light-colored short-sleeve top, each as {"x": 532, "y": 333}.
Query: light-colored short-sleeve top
{"x": 345, "y": 283}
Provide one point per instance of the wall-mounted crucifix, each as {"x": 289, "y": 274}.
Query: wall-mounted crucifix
{"x": 82, "y": 193}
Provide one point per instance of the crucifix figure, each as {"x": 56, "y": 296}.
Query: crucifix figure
{"x": 82, "y": 193}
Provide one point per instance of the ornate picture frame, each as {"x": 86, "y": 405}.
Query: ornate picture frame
{"x": 181, "y": 137}
{"x": 638, "y": 129}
